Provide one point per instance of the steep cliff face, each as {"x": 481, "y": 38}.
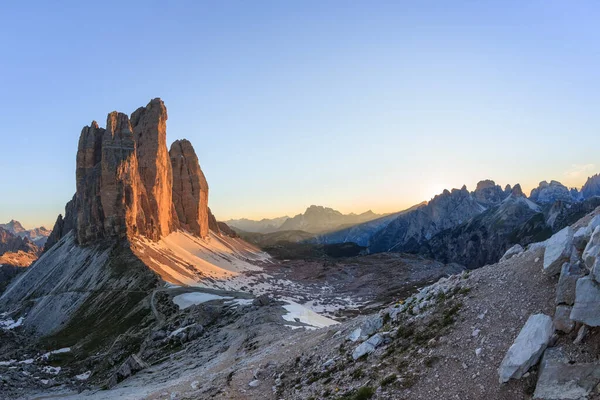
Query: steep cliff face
{"x": 150, "y": 134}
{"x": 125, "y": 182}
{"x": 190, "y": 189}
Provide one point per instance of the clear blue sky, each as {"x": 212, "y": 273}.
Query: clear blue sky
{"x": 353, "y": 105}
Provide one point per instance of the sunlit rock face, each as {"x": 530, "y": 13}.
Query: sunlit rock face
{"x": 190, "y": 189}
{"x": 125, "y": 181}
{"x": 150, "y": 134}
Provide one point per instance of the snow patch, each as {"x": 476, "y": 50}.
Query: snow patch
{"x": 299, "y": 313}
{"x": 186, "y": 300}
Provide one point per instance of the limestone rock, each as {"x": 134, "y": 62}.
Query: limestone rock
{"x": 367, "y": 347}
{"x": 562, "y": 319}
{"x": 548, "y": 193}
{"x": 154, "y": 166}
{"x": 561, "y": 379}
{"x": 558, "y": 250}
{"x": 126, "y": 185}
{"x": 587, "y": 302}
{"x": 513, "y": 251}
{"x": 527, "y": 347}
{"x": 190, "y": 189}
{"x": 131, "y": 366}
{"x": 581, "y": 238}
{"x": 565, "y": 290}
{"x": 213, "y": 225}
{"x": 592, "y": 249}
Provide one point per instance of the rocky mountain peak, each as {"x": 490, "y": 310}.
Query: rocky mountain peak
{"x": 547, "y": 193}
{"x": 591, "y": 187}
{"x": 190, "y": 189}
{"x": 488, "y": 193}
{"x": 125, "y": 181}
{"x": 517, "y": 191}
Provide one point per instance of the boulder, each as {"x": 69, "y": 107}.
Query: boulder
{"x": 592, "y": 249}
{"x": 527, "y": 347}
{"x": 587, "y": 302}
{"x": 581, "y": 238}
{"x": 131, "y": 366}
{"x": 559, "y": 378}
{"x": 565, "y": 290}
{"x": 562, "y": 319}
{"x": 367, "y": 347}
{"x": 595, "y": 272}
{"x": 513, "y": 251}
{"x": 354, "y": 335}
{"x": 370, "y": 326}
{"x": 558, "y": 250}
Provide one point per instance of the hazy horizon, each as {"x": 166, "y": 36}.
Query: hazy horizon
{"x": 349, "y": 106}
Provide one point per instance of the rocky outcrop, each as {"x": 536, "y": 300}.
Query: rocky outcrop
{"x": 527, "y": 348}
{"x": 190, "y": 189}
{"x": 213, "y": 225}
{"x": 125, "y": 182}
{"x": 560, "y": 378}
{"x": 154, "y": 166}
{"x": 558, "y": 250}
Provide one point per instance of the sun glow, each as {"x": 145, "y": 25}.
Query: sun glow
{"x": 433, "y": 189}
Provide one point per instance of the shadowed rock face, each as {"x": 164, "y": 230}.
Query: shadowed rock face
{"x": 190, "y": 189}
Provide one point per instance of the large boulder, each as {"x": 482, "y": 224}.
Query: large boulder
{"x": 558, "y": 250}
{"x": 367, "y": 347}
{"x": 559, "y": 378}
{"x": 527, "y": 348}
{"x": 565, "y": 290}
{"x": 592, "y": 249}
{"x": 587, "y": 302}
{"x": 513, "y": 251}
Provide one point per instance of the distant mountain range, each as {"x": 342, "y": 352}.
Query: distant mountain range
{"x": 316, "y": 219}
{"x": 474, "y": 228}
{"x": 36, "y": 235}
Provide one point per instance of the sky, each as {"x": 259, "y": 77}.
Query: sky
{"x": 352, "y": 105}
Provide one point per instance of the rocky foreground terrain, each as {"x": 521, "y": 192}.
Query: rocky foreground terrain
{"x": 140, "y": 293}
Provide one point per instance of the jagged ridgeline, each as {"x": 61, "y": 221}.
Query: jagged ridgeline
{"x": 90, "y": 284}
{"x": 129, "y": 184}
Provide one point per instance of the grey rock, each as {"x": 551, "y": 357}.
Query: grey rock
{"x": 581, "y": 238}
{"x": 587, "y": 302}
{"x": 131, "y": 366}
{"x": 565, "y": 290}
{"x": 562, "y": 319}
{"x": 527, "y": 347}
{"x": 581, "y": 334}
{"x": 367, "y": 347}
{"x": 354, "y": 335}
{"x": 513, "y": 251}
{"x": 254, "y": 383}
{"x": 592, "y": 249}
{"x": 558, "y": 250}
{"x": 370, "y": 326}
{"x": 559, "y": 379}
